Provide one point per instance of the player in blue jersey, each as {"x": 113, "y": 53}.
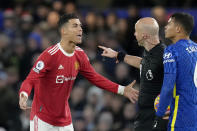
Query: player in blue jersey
{"x": 180, "y": 76}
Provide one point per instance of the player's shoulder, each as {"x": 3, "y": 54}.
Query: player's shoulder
{"x": 192, "y": 43}
{"x": 78, "y": 49}
{"x": 170, "y": 51}
{"x": 182, "y": 44}
{"x": 173, "y": 47}
{"x": 178, "y": 48}
{"x": 81, "y": 53}
{"x": 52, "y": 49}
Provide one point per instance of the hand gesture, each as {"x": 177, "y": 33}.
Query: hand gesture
{"x": 131, "y": 93}
{"x": 166, "y": 116}
{"x": 108, "y": 52}
{"x": 23, "y": 102}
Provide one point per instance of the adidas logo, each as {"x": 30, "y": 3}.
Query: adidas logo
{"x": 60, "y": 67}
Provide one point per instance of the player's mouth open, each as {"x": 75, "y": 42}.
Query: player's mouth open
{"x": 79, "y": 36}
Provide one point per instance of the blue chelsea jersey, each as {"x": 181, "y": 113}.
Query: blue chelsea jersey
{"x": 180, "y": 88}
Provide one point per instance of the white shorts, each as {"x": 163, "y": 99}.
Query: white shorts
{"x": 39, "y": 125}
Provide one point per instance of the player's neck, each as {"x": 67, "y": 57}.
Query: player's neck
{"x": 179, "y": 37}
{"x": 68, "y": 46}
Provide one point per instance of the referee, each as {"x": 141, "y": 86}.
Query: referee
{"x": 151, "y": 70}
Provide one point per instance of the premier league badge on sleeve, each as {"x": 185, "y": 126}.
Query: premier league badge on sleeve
{"x": 39, "y": 66}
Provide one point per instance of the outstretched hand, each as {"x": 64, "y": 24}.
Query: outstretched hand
{"x": 108, "y": 52}
{"x": 131, "y": 93}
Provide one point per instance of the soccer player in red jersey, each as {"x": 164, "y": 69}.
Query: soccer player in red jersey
{"x": 53, "y": 75}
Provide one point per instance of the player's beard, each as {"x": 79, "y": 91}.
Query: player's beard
{"x": 75, "y": 41}
{"x": 78, "y": 41}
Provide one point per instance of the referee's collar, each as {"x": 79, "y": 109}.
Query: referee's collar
{"x": 156, "y": 49}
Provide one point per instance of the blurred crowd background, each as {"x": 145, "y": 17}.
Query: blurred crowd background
{"x": 29, "y": 27}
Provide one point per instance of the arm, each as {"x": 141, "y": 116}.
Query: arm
{"x": 166, "y": 94}
{"x": 133, "y": 61}
{"x": 38, "y": 71}
{"x": 88, "y": 72}
{"x": 129, "y": 59}
{"x": 170, "y": 58}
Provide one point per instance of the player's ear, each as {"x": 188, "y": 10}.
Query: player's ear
{"x": 178, "y": 28}
{"x": 63, "y": 31}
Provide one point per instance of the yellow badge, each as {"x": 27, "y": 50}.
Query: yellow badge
{"x": 76, "y": 65}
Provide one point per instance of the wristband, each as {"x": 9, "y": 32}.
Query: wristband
{"x": 121, "y": 90}
{"x": 121, "y": 55}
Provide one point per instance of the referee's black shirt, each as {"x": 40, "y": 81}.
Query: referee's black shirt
{"x": 151, "y": 76}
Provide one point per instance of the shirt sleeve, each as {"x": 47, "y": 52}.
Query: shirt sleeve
{"x": 38, "y": 71}
{"x": 170, "y": 68}
{"x": 89, "y": 73}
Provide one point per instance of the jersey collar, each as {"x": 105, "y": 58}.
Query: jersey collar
{"x": 64, "y": 52}
{"x": 157, "y": 49}
{"x": 184, "y": 41}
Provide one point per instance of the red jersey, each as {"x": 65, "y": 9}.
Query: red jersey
{"x": 52, "y": 78}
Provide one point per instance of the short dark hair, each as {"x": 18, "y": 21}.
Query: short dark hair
{"x": 186, "y": 20}
{"x": 65, "y": 18}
